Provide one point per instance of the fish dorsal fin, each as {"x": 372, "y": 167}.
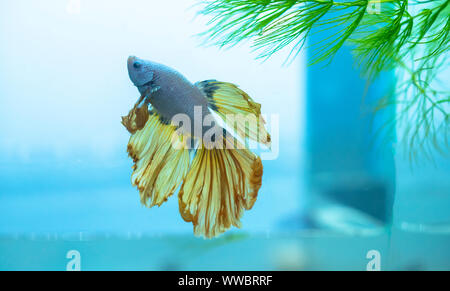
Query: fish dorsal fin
{"x": 236, "y": 108}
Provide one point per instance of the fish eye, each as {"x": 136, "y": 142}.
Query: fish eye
{"x": 137, "y": 65}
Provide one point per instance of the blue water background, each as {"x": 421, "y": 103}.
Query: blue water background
{"x": 65, "y": 174}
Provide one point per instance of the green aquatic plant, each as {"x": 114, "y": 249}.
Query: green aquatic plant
{"x": 411, "y": 37}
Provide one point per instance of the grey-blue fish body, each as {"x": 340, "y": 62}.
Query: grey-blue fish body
{"x": 173, "y": 93}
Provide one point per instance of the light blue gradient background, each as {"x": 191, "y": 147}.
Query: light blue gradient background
{"x": 65, "y": 175}
{"x": 63, "y": 88}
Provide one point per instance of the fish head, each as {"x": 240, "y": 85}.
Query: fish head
{"x": 140, "y": 72}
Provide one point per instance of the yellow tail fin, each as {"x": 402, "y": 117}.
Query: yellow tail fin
{"x": 220, "y": 184}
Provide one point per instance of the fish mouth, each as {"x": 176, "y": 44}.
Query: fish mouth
{"x": 131, "y": 60}
{"x": 141, "y": 76}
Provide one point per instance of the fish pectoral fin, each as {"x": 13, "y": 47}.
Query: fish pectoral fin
{"x": 219, "y": 186}
{"x": 136, "y": 118}
{"x": 237, "y": 109}
{"x": 161, "y": 160}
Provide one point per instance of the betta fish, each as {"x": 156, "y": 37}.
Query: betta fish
{"x": 219, "y": 176}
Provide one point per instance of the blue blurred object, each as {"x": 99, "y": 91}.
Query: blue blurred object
{"x": 346, "y": 164}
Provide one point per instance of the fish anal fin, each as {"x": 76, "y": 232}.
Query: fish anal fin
{"x": 160, "y": 164}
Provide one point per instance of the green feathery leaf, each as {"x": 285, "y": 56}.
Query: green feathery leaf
{"x": 411, "y": 37}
